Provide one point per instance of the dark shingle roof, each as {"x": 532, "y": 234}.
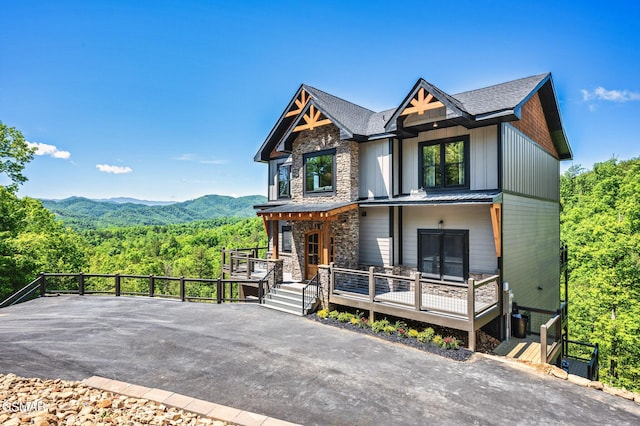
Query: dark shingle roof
{"x": 500, "y": 97}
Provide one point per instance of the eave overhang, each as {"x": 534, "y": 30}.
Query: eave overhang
{"x": 307, "y": 211}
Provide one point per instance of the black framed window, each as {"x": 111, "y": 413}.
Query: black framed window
{"x": 286, "y": 239}
{"x": 284, "y": 181}
{"x": 444, "y": 163}
{"x": 443, "y": 254}
{"x": 319, "y": 172}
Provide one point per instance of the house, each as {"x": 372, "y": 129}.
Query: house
{"x": 437, "y": 195}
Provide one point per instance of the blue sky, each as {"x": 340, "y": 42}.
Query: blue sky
{"x": 170, "y": 100}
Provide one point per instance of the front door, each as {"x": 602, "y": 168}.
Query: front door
{"x": 311, "y": 254}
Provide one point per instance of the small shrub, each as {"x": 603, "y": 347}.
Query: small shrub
{"x": 450, "y": 342}
{"x": 402, "y": 332}
{"x": 389, "y": 329}
{"x": 334, "y": 314}
{"x": 413, "y": 333}
{"x": 355, "y": 321}
{"x": 345, "y": 317}
{"x": 364, "y": 322}
{"x": 438, "y": 340}
{"x": 378, "y": 326}
{"x": 323, "y": 313}
{"x": 426, "y": 336}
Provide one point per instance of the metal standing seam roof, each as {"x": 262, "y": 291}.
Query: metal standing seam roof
{"x": 306, "y": 207}
{"x": 438, "y": 198}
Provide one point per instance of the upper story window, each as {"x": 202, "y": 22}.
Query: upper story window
{"x": 284, "y": 181}
{"x": 444, "y": 163}
{"x": 319, "y": 172}
{"x": 286, "y": 239}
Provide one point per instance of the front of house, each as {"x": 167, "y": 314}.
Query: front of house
{"x": 448, "y": 187}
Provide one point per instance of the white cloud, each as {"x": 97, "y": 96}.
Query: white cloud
{"x": 602, "y": 94}
{"x": 113, "y": 169}
{"x": 213, "y": 161}
{"x": 185, "y": 157}
{"x": 46, "y": 149}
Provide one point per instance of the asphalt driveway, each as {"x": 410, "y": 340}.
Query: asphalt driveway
{"x": 283, "y": 366}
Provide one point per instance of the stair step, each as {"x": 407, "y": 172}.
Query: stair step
{"x": 283, "y": 307}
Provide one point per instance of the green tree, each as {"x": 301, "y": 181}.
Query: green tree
{"x": 14, "y": 155}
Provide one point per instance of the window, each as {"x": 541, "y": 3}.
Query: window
{"x": 286, "y": 238}
{"x": 284, "y": 181}
{"x": 444, "y": 163}
{"x": 443, "y": 254}
{"x": 319, "y": 176}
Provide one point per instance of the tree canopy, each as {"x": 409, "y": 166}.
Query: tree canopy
{"x": 600, "y": 223}
{"x": 14, "y": 155}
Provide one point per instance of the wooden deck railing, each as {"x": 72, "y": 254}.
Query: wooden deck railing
{"x": 182, "y": 288}
{"x": 244, "y": 261}
{"x": 464, "y": 306}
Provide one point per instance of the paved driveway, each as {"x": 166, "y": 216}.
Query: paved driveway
{"x": 283, "y": 366}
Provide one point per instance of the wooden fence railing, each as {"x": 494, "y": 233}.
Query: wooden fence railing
{"x": 182, "y": 288}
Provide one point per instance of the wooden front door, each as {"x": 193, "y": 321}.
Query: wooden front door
{"x": 312, "y": 250}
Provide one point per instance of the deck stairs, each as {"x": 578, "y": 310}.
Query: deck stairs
{"x": 287, "y": 297}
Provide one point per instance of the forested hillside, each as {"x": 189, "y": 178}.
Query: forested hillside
{"x": 600, "y": 223}
{"x": 81, "y": 213}
{"x": 190, "y": 250}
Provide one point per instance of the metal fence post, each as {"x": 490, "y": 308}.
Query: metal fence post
{"x": 418, "y": 291}
{"x": 219, "y": 291}
{"x": 182, "y": 295}
{"x": 43, "y": 284}
{"x": 81, "y": 284}
{"x": 471, "y": 312}
{"x": 117, "y": 279}
{"x": 260, "y": 291}
{"x": 152, "y": 286}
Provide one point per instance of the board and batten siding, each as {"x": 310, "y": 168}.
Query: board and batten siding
{"x": 531, "y": 250}
{"x": 375, "y": 241}
{"x": 527, "y": 168}
{"x": 472, "y": 217}
{"x": 375, "y": 169}
{"x": 483, "y": 150}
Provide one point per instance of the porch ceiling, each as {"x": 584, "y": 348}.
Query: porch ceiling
{"x": 307, "y": 211}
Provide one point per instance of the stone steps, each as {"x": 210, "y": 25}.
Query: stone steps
{"x": 285, "y": 299}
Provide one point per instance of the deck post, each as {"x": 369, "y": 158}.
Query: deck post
{"x": 418, "y": 291}
{"x": 117, "y": 283}
{"x": 152, "y": 286}
{"x": 43, "y": 284}
{"x": 372, "y": 284}
{"x": 81, "y": 284}
{"x": 471, "y": 312}
{"x": 182, "y": 292}
{"x": 219, "y": 291}
{"x": 543, "y": 343}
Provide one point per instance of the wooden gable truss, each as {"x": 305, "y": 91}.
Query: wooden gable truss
{"x": 421, "y": 102}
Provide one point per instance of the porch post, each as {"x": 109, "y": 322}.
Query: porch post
{"x": 275, "y": 237}
{"x": 418, "y": 291}
{"x": 471, "y": 312}
{"x": 372, "y": 284}
{"x": 325, "y": 243}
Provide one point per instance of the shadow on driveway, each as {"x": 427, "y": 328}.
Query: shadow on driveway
{"x": 283, "y": 366}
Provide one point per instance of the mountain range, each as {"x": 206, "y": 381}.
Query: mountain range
{"x": 83, "y": 213}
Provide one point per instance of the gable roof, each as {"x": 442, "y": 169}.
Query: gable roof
{"x": 479, "y": 107}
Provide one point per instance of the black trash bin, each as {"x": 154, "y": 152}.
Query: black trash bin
{"x": 519, "y": 325}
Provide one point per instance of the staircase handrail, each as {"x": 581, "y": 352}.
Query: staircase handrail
{"x": 19, "y": 295}
{"x": 307, "y": 298}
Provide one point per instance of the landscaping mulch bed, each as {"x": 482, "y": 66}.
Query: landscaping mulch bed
{"x": 454, "y": 354}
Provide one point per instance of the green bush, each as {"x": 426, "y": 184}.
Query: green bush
{"x": 345, "y": 316}
{"x": 334, "y": 314}
{"x": 413, "y": 333}
{"x": 426, "y": 336}
{"x": 323, "y": 313}
{"x": 378, "y": 326}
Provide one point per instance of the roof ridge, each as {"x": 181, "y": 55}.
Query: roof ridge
{"x": 306, "y": 86}
{"x": 540, "y": 76}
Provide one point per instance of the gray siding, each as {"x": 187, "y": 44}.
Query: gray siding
{"x": 272, "y": 192}
{"x": 531, "y": 250}
{"x": 527, "y": 168}
{"x": 483, "y": 151}
{"x": 475, "y": 218}
{"x": 375, "y": 169}
{"x": 375, "y": 241}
